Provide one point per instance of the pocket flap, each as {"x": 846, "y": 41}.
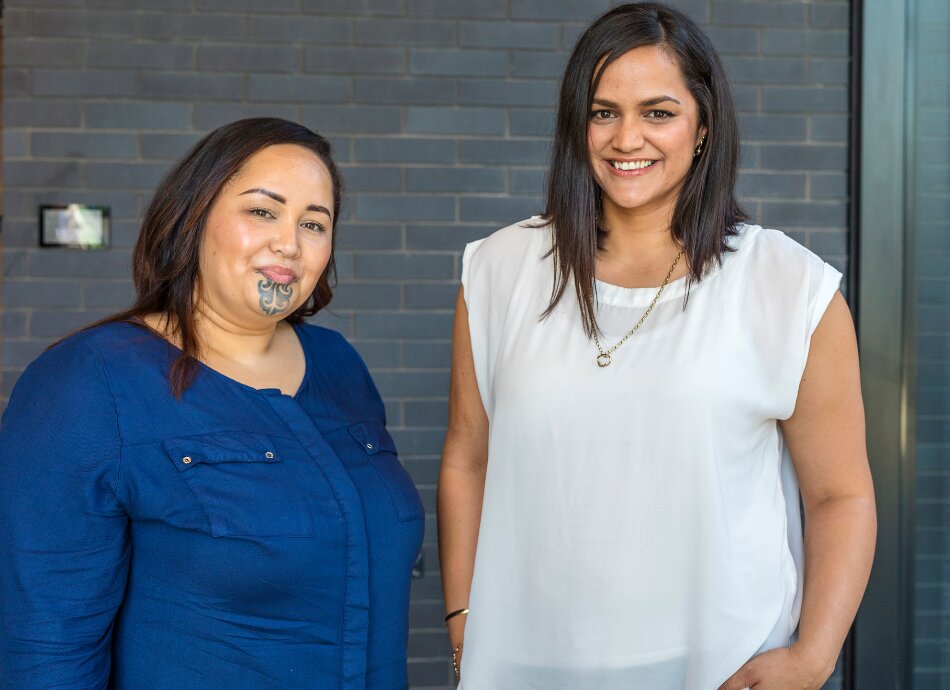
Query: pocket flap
{"x": 231, "y": 446}
{"x": 372, "y": 437}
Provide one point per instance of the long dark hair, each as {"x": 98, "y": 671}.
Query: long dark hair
{"x": 165, "y": 259}
{"x": 706, "y": 212}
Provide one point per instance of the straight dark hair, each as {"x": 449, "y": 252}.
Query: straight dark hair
{"x": 165, "y": 259}
{"x": 706, "y": 213}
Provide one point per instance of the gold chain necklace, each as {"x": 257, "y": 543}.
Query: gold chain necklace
{"x": 603, "y": 357}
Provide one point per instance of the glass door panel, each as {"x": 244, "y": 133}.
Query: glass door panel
{"x": 929, "y": 249}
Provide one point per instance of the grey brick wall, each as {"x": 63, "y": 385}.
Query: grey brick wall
{"x": 439, "y": 112}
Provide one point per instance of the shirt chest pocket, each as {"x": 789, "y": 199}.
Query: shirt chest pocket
{"x": 245, "y": 485}
{"x": 378, "y": 445}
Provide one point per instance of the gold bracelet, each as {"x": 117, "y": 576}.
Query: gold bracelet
{"x": 455, "y": 661}
{"x": 460, "y": 612}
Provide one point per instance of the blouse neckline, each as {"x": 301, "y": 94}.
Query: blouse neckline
{"x": 298, "y": 331}
{"x": 608, "y": 293}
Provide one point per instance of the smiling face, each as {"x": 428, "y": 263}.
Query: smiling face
{"x": 643, "y": 131}
{"x": 267, "y": 238}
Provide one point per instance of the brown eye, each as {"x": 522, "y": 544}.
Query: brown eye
{"x": 313, "y": 226}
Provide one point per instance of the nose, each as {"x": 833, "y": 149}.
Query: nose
{"x": 284, "y": 240}
{"x": 627, "y": 135}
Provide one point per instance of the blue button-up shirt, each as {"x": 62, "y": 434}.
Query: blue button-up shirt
{"x": 236, "y": 538}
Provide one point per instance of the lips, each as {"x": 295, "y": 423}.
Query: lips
{"x": 278, "y": 274}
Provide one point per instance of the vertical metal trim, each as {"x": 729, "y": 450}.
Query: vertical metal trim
{"x": 881, "y": 629}
{"x": 856, "y": 50}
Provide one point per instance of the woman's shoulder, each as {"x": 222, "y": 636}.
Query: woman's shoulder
{"x": 773, "y": 252}
{"x": 773, "y": 258}
{"x": 771, "y": 242}
{"x": 516, "y": 238}
{"x": 507, "y": 250}
{"x": 81, "y": 367}
{"x": 88, "y": 352}
{"x": 342, "y": 368}
{"x": 330, "y": 345}
{"x": 323, "y": 337}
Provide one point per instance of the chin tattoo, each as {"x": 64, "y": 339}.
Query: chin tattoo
{"x": 274, "y": 297}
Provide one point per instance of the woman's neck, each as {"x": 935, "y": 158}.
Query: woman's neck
{"x": 647, "y": 219}
{"x": 219, "y": 337}
{"x": 626, "y": 243}
{"x": 222, "y": 337}
{"x": 638, "y": 250}
{"x": 266, "y": 357}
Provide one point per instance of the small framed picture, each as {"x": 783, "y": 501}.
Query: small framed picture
{"x": 74, "y": 225}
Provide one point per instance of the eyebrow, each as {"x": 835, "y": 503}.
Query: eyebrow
{"x": 647, "y": 103}
{"x": 282, "y": 200}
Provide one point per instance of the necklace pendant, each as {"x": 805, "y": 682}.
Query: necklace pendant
{"x": 603, "y": 360}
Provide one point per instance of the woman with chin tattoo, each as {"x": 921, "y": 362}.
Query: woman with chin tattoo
{"x": 218, "y": 503}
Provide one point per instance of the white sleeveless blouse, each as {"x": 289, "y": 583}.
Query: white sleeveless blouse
{"x": 641, "y": 523}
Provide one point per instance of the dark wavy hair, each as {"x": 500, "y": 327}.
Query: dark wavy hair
{"x": 706, "y": 212}
{"x": 165, "y": 259}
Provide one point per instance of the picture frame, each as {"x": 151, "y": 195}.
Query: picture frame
{"x": 75, "y": 226}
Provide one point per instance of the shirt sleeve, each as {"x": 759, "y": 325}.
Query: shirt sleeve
{"x": 64, "y": 550}
{"x": 476, "y": 290}
{"x": 789, "y": 290}
{"x": 494, "y": 269}
{"x": 825, "y": 281}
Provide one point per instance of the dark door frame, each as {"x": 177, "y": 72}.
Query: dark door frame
{"x": 882, "y": 632}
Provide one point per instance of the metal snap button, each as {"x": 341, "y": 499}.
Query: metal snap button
{"x": 186, "y": 460}
{"x": 369, "y": 446}
{"x": 269, "y": 455}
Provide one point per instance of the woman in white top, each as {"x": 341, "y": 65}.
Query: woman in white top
{"x": 642, "y": 385}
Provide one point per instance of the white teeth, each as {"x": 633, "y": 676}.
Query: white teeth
{"x": 632, "y": 165}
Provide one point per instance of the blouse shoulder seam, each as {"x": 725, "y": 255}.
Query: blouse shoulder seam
{"x": 115, "y": 410}
{"x": 349, "y": 356}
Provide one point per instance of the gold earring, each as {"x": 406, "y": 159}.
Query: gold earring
{"x": 699, "y": 149}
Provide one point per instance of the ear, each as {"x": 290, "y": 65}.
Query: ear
{"x": 701, "y": 134}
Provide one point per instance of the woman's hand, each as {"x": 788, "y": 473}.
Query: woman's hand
{"x": 457, "y": 660}
{"x": 780, "y": 669}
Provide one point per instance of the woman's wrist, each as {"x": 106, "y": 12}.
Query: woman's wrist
{"x": 454, "y": 614}
{"x": 456, "y": 628}
{"x": 455, "y": 622}
{"x": 814, "y": 657}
